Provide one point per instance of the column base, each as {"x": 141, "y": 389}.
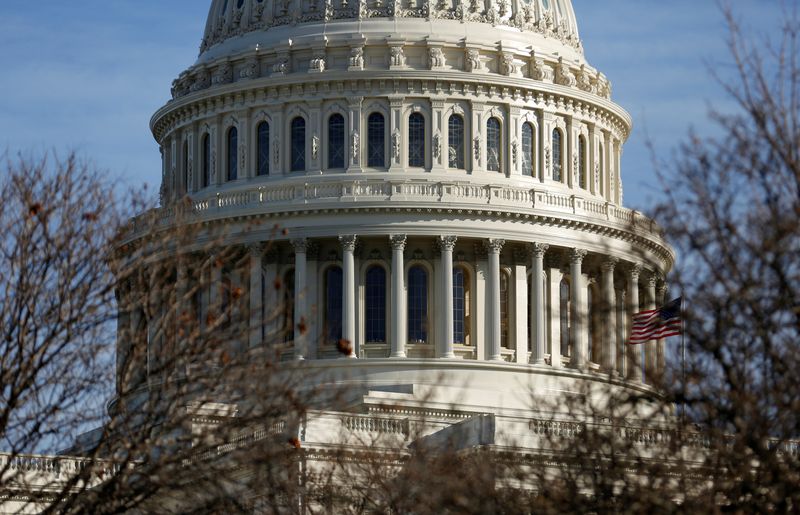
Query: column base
{"x": 398, "y": 355}
{"x": 496, "y": 357}
{"x": 449, "y": 355}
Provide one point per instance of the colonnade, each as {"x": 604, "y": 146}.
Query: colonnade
{"x": 536, "y": 306}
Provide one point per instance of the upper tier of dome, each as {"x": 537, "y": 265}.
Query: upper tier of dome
{"x": 547, "y": 26}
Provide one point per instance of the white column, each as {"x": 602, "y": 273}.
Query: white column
{"x": 481, "y": 308}
{"x": 349, "y": 291}
{"x": 651, "y": 347}
{"x": 182, "y": 318}
{"x": 634, "y": 351}
{"x": 446, "y": 245}
{"x": 554, "y": 277}
{"x": 256, "y": 295}
{"x": 520, "y": 313}
{"x": 578, "y": 311}
{"x": 272, "y": 303}
{"x": 300, "y": 327}
{"x": 610, "y": 316}
{"x": 494, "y": 247}
{"x": 537, "y": 302}
{"x": 399, "y": 336}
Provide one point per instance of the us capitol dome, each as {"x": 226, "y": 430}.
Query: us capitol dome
{"x": 446, "y": 178}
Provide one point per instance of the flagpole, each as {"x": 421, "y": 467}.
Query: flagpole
{"x": 683, "y": 360}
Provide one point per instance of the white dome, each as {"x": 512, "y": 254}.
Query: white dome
{"x": 546, "y": 26}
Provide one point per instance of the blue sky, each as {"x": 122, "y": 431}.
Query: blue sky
{"x": 88, "y": 74}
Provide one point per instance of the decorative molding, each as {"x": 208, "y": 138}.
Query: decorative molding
{"x": 348, "y": 242}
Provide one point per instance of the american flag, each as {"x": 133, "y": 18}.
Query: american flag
{"x": 655, "y": 324}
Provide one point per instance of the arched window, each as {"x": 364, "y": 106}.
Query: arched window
{"x": 461, "y": 302}
{"x": 527, "y": 149}
{"x": 206, "y": 172}
{"x": 186, "y": 176}
{"x": 416, "y": 140}
{"x": 564, "y": 312}
{"x": 505, "y": 283}
{"x": 298, "y": 142}
{"x": 287, "y": 313}
{"x": 455, "y": 141}
{"x": 375, "y": 304}
{"x": 557, "y": 155}
{"x": 582, "y": 162}
{"x": 376, "y": 139}
{"x": 336, "y": 141}
{"x": 417, "y": 305}
{"x": 493, "y": 144}
{"x": 593, "y": 303}
{"x": 263, "y": 148}
{"x": 233, "y": 153}
{"x": 333, "y": 304}
{"x": 602, "y": 161}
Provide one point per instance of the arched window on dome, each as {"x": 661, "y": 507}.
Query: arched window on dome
{"x": 461, "y": 304}
{"x": 455, "y": 142}
{"x": 416, "y": 140}
{"x": 375, "y": 304}
{"x": 602, "y": 160}
{"x": 206, "y": 162}
{"x": 287, "y": 313}
{"x": 582, "y": 161}
{"x": 298, "y": 144}
{"x": 528, "y": 157}
{"x": 376, "y": 141}
{"x": 417, "y": 312}
{"x": 262, "y": 134}
{"x": 494, "y": 142}
{"x": 558, "y": 158}
{"x": 505, "y": 303}
{"x": 333, "y": 304}
{"x": 233, "y": 153}
{"x": 564, "y": 317}
{"x": 186, "y": 175}
{"x": 336, "y": 141}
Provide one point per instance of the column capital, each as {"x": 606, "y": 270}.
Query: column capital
{"x": 300, "y": 245}
{"x": 494, "y": 246}
{"x": 539, "y": 249}
{"x": 398, "y": 241}
{"x": 635, "y": 271}
{"x": 447, "y": 242}
{"x": 255, "y": 249}
{"x": 652, "y": 280}
{"x": 609, "y": 264}
{"x": 348, "y": 242}
{"x": 662, "y": 289}
{"x": 577, "y": 255}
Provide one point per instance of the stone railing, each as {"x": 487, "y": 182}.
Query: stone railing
{"x": 419, "y": 193}
{"x": 36, "y": 471}
{"x": 376, "y": 425}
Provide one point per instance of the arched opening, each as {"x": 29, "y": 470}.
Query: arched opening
{"x": 505, "y": 283}
{"x": 287, "y": 313}
{"x": 416, "y": 140}
{"x": 376, "y": 141}
{"x": 564, "y": 317}
{"x": 298, "y": 144}
{"x": 494, "y": 137}
{"x": 375, "y": 304}
{"x": 206, "y": 164}
{"x": 417, "y": 312}
{"x": 528, "y": 157}
{"x": 333, "y": 304}
{"x": 336, "y": 141}
{"x": 263, "y": 148}
{"x": 582, "y": 162}
{"x": 461, "y": 305}
{"x": 558, "y": 160}
{"x": 186, "y": 175}
{"x": 233, "y": 153}
{"x": 455, "y": 141}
